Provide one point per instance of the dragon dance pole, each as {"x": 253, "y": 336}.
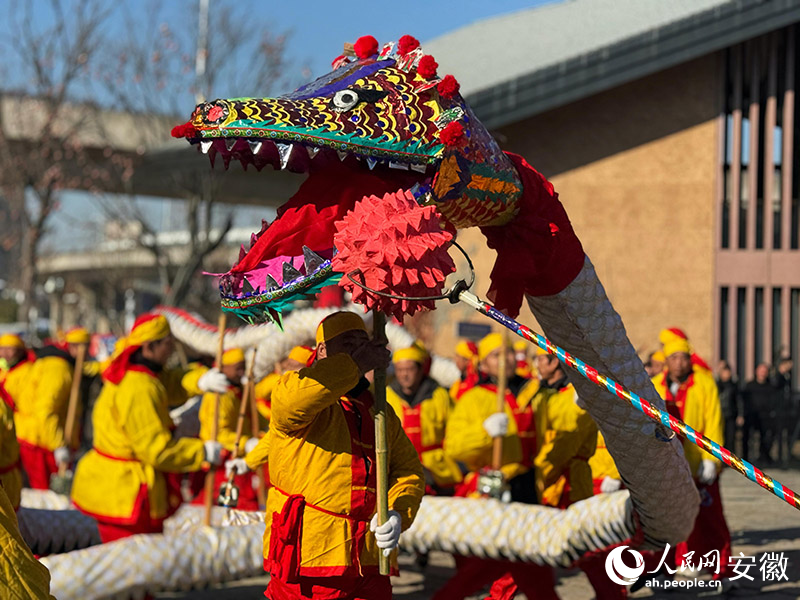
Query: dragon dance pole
{"x": 381, "y": 450}
{"x": 750, "y": 471}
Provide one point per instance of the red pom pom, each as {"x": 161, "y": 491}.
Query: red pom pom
{"x": 366, "y": 46}
{"x": 448, "y": 87}
{"x": 427, "y": 67}
{"x": 186, "y": 130}
{"x": 397, "y": 246}
{"x": 407, "y": 44}
{"x": 453, "y": 134}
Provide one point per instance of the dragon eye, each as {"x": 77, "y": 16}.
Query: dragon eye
{"x": 344, "y": 100}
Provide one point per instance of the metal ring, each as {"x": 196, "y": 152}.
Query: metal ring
{"x": 444, "y": 296}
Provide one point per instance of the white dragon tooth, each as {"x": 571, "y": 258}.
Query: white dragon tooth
{"x": 290, "y": 273}
{"x": 342, "y": 155}
{"x": 312, "y": 152}
{"x": 285, "y": 151}
{"x": 396, "y": 165}
{"x": 255, "y": 146}
{"x": 205, "y": 145}
{"x": 371, "y": 162}
{"x": 230, "y": 143}
{"x": 419, "y": 168}
{"x": 311, "y": 259}
{"x": 270, "y": 284}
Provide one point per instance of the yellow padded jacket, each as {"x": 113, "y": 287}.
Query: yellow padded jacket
{"x": 570, "y": 440}
{"x": 425, "y": 424}
{"x": 466, "y": 440}
{"x": 22, "y": 577}
{"x": 321, "y": 449}
{"x": 133, "y": 447}
{"x": 42, "y": 408}
{"x": 696, "y": 404}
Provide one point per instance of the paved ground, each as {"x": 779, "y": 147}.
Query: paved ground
{"x": 758, "y": 521}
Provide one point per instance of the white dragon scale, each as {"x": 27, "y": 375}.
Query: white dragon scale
{"x": 650, "y": 460}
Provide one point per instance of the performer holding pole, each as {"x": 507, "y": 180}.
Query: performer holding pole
{"x": 209, "y": 485}
{"x": 321, "y": 529}
{"x": 502, "y": 384}
{"x": 62, "y": 481}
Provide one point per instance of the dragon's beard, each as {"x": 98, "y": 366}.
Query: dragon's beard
{"x": 301, "y": 237}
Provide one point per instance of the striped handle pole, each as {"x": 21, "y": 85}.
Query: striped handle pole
{"x": 750, "y": 471}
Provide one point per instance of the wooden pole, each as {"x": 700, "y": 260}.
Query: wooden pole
{"x": 261, "y": 490}
{"x": 72, "y": 407}
{"x": 209, "y": 483}
{"x": 502, "y": 385}
{"x": 381, "y": 449}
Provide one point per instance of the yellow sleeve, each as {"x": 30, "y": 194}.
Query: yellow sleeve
{"x": 263, "y": 388}
{"x": 466, "y": 440}
{"x": 185, "y": 380}
{"x": 141, "y": 408}
{"x": 259, "y": 455}
{"x": 562, "y": 445}
{"x": 50, "y": 404}
{"x": 228, "y": 419}
{"x": 92, "y": 368}
{"x": 301, "y": 395}
{"x": 406, "y": 478}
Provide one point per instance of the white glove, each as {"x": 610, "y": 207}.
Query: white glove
{"x": 63, "y": 455}
{"x": 707, "y": 472}
{"x": 609, "y": 484}
{"x": 213, "y": 380}
{"x": 250, "y": 444}
{"x": 496, "y": 425}
{"x": 244, "y": 380}
{"x": 236, "y": 464}
{"x": 213, "y": 452}
{"x": 388, "y": 534}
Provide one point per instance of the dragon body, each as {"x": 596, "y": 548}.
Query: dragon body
{"x": 383, "y": 120}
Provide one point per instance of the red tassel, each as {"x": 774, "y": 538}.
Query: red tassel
{"x": 427, "y": 67}
{"x": 453, "y": 134}
{"x": 366, "y": 46}
{"x": 407, "y": 44}
{"x": 448, "y": 87}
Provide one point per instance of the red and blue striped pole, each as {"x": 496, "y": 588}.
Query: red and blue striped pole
{"x": 750, "y": 471}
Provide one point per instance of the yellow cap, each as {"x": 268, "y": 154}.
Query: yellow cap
{"x": 148, "y": 327}
{"x": 676, "y": 346}
{"x": 11, "y": 340}
{"x": 489, "y": 344}
{"x": 338, "y": 323}
{"x": 77, "y": 335}
{"x": 658, "y": 355}
{"x": 416, "y": 352}
{"x": 520, "y": 346}
{"x": 466, "y": 349}
{"x": 301, "y": 354}
{"x": 541, "y": 352}
{"x": 666, "y": 336}
{"x": 233, "y": 356}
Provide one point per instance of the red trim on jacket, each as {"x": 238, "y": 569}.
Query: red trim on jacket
{"x": 526, "y": 425}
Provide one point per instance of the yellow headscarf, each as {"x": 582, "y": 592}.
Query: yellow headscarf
{"x": 338, "y": 323}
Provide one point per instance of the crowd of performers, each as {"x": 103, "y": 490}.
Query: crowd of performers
{"x": 309, "y": 451}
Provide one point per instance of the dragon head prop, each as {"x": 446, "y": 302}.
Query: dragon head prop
{"x": 383, "y": 120}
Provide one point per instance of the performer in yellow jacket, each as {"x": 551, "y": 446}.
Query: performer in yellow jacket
{"x": 121, "y": 482}
{"x": 42, "y": 410}
{"x": 322, "y": 538}
{"x": 233, "y": 367}
{"x": 605, "y": 476}
{"x": 22, "y": 577}
{"x": 471, "y": 429}
{"x": 19, "y": 360}
{"x": 424, "y": 408}
{"x": 691, "y": 395}
{"x": 570, "y": 439}
{"x": 297, "y": 358}
{"x": 466, "y": 360}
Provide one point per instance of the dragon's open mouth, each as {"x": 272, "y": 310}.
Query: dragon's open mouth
{"x": 289, "y": 259}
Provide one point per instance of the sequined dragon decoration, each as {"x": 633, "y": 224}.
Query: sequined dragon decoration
{"x": 383, "y": 120}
